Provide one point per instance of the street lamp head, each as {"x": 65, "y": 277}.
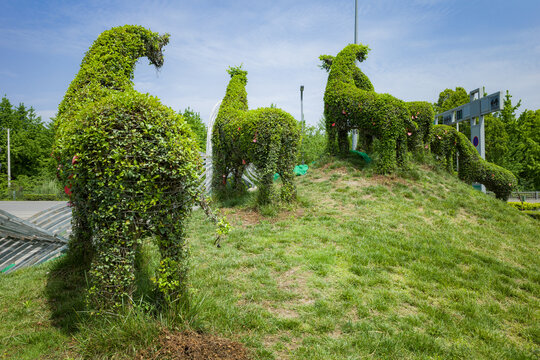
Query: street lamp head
{"x": 301, "y": 87}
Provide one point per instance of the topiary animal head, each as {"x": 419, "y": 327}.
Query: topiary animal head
{"x": 154, "y": 45}
{"x": 237, "y": 71}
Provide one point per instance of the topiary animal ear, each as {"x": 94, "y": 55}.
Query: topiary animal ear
{"x": 327, "y": 61}
{"x": 361, "y": 52}
{"x": 236, "y": 70}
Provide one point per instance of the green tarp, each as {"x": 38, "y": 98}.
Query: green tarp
{"x": 298, "y": 171}
{"x": 365, "y": 156}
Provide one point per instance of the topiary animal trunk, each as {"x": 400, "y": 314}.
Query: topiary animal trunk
{"x": 268, "y": 138}
{"x": 351, "y": 103}
{"x": 446, "y": 140}
{"x": 130, "y": 165}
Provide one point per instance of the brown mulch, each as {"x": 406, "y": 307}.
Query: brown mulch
{"x": 189, "y": 345}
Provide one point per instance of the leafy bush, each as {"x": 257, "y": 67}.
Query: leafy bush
{"x": 130, "y": 166}
{"x": 533, "y": 214}
{"x": 313, "y": 144}
{"x": 268, "y": 138}
{"x": 525, "y": 205}
{"x": 472, "y": 168}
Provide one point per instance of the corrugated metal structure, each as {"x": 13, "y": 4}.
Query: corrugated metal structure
{"x": 28, "y": 242}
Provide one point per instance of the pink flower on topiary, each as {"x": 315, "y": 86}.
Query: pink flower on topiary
{"x": 255, "y": 140}
{"x": 425, "y": 147}
{"x": 409, "y": 133}
{"x": 74, "y": 160}
{"x": 333, "y": 124}
{"x": 438, "y": 137}
{"x": 343, "y": 112}
{"x": 243, "y": 162}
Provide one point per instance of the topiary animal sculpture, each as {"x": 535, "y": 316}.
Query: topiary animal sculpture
{"x": 446, "y": 140}
{"x": 130, "y": 165}
{"x": 351, "y": 103}
{"x": 268, "y": 138}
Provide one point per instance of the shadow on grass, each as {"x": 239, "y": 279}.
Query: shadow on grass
{"x": 65, "y": 290}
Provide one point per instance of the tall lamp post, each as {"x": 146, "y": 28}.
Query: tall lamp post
{"x": 355, "y": 132}
{"x": 302, "y": 115}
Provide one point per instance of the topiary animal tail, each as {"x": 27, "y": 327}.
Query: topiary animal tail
{"x": 446, "y": 140}
{"x": 131, "y": 167}
{"x": 268, "y": 138}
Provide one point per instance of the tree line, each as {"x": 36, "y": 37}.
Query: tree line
{"x": 512, "y": 141}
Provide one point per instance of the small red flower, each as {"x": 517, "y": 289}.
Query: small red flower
{"x": 333, "y": 124}
{"x": 343, "y": 112}
{"x": 238, "y": 129}
{"x": 243, "y": 162}
{"x": 255, "y": 140}
{"x": 67, "y": 190}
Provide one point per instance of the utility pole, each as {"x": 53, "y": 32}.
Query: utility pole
{"x": 302, "y": 115}
{"x": 8, "y": 161}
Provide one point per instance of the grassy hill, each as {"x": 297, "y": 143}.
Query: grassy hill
{"x": 412, "y": 266}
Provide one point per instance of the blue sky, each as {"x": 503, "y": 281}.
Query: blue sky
{"x": 418, "y": 48}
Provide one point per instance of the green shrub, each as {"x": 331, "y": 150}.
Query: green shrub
{"x": 130, "y": 166}
{"x": 351, "y": 103}
{"x": 525, "y": 205}
{"x": 446, "y": 140}
{"x": 533, "y": 214}
{"x": 268, "y": 138}
{"x": 43, "y": 197}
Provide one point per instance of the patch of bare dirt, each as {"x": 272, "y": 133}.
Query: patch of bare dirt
{"x": 189, "y": 345}
{"x": 248, "y": 217}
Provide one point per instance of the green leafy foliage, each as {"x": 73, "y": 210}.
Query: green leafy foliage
{"x": 351, "y": 103}
{"x": 131, "y": 167}
{"x": 31, "y": 141}
{"x": 449, "y": 99}
{"x": 446, "y": 140}
{"x": 268, "y": 138}
{"x": 524, "y": 205}
{"x": 197, "y": 125}
{"x": 313, "y": 144}
{"x": 419, "y": 125}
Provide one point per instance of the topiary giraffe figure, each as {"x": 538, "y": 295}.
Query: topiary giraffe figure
{"x": 350, "y": 102}
{"x": 268, "y": 138}
{"x": 130, "y": 165}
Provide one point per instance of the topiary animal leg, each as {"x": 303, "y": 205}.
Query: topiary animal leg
{"x": 112, "y": 273}
{"x": 172, "y": 271}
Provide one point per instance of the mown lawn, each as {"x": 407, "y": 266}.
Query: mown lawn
{"x": 411, "y": 266}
